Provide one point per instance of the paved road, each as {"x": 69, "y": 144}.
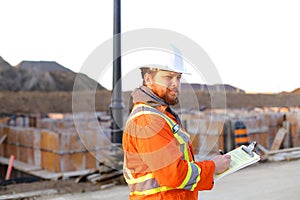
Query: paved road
{"x": 262, "y": 181}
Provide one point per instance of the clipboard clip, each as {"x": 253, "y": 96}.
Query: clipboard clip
{"x": 250, "y": 148}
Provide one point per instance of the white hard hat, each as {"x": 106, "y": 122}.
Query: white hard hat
{"x": 163, "y": 60}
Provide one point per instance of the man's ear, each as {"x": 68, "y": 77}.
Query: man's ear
{"x": 148, "y": 79}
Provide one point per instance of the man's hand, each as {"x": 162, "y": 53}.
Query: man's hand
{"x": 222, "y": 163}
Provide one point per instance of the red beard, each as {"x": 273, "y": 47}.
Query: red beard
{"x": 170, "y": 96}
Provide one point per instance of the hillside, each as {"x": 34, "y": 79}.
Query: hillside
{"x": 296, "y": 91}
{"x": 42, "y": 76}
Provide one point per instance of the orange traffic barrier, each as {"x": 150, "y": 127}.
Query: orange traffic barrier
{"x": 240, "y": 134}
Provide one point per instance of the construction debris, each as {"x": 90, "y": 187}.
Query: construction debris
{"x": 101, "y": 175}
{"x": 279, "y": 155}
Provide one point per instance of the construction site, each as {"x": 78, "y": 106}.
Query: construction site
{"x": 50, "y": 150}
{"x": 56, "y": 143}
{"x": 53, "y": 154}
{"x": 61, "y": 143}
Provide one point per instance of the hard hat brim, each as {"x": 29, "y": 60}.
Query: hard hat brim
{"x": 164, "y": 68}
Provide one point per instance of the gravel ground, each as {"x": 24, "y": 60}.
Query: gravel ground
{"x": 273, "y": 180}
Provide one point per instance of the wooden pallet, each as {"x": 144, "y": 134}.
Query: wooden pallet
{"x": 279, "y": 155}
{"x": 41, "y": 173}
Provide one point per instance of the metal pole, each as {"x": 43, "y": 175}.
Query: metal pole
{"x": 117, "y": 104}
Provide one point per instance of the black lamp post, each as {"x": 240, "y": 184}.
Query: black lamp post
{"x": 117, "y": 104}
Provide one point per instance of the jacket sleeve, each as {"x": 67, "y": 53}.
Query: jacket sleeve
{"x": 206, "y": 181}
{"x": 158, "y": 148}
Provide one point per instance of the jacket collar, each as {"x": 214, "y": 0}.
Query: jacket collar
{"x": 145, "y": 95}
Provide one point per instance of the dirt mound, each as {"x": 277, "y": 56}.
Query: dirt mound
{"x": 296, "y": 91}
{"x": 4, "y": 65}
{"x": 42, "y": 76}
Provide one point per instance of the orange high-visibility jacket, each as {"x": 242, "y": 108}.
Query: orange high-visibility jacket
{"x": 158, "y": 161}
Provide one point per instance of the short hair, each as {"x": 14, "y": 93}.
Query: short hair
{"x": 146, "y": 70}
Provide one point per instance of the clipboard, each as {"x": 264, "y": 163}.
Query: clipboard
{"x": 241, "y": 157}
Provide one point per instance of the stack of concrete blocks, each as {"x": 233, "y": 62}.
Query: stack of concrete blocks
{"x": 82, "y": 142}
{"x": 205, "y": 131}
{"x": 207, "y": 128}
{"x": 23, "y": 143}
{"x": 57, "y": 145}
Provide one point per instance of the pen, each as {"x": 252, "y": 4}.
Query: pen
{"x": 221, "y": 152}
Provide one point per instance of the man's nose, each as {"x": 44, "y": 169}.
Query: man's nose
{"x": 175, "y": 82}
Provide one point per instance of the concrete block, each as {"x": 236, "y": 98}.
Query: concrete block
{"x": 72, "y": 162}
{"x": 65, "y": 142}
{"x": 12, "y": 136}
{"x": 91, "y": 161}
{"x": 101, "y": 155}
{"x": 66, "y": 124}
{"x": 263, "y": 139}
{"x": 63, "y": 162}
{"x": 30, "y": 156}
{"x": 11, "y": 149}
{"x": 195, "y": 138}
{"x": 2, "y": 149}
{"x": 77, "y": 142}
{"x": 30, "y": 135}
{"x": 22, "y": 137}
{"x": 6, "y": 130}
{"x": 50, "y": 161}
{"x": 212, "y": 143}
{"x": 89, "y": 139}
{"x": 78, "y": 162}
{"x": 49, "y": 141}
{"x": 22, "y": 154}
{"x": 215, "y": 127}
{"x": 196, "y": 126}
{"x": 60, "y": 124}
{"x": 37, "y": 157}
{"x": 37, "y": 138}
{"x": 25, "y": 137}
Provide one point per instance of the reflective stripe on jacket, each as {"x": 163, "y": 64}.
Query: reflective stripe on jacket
{"x": 146, "y": 172}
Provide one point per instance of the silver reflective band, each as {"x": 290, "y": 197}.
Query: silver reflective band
{"x": 175, "y": 128}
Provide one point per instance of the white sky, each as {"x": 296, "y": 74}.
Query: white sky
{"x": 255, "y": 45}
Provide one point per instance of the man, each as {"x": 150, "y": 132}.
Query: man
{"x": 158, "y": 156}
